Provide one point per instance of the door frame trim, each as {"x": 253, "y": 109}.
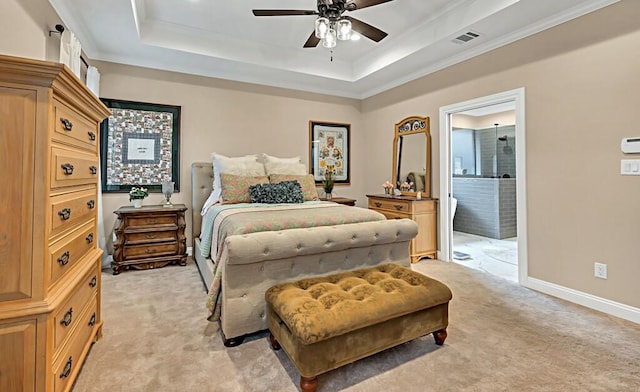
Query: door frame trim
{"x": 444, "y": 210}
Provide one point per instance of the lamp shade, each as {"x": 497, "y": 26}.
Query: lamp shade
{"x": 344, "y": 29}
{"x": 322, "y": 27}
{"x": 329, "y": 40}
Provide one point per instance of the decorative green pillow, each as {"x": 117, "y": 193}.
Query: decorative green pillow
{"x": 307, "y": 183}
{"x": 235, "y": 189}
{"x": 282, "y": 192}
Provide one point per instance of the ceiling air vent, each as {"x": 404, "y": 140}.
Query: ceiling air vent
{"x": 466, "y": 37}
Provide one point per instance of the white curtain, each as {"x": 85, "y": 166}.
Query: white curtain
{"x": 70, "y": 51}
{"x": 93, "y": 83}
{"x": 102, "y": 239}
{"x": 93, "y": 80}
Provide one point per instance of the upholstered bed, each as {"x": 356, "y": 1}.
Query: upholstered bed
{"x": 249, "y": 262}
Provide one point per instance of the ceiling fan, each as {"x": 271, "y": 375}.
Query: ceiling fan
{"x": 331, "y": 25}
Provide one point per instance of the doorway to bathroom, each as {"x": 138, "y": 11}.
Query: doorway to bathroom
{"x": 482, "y": 187}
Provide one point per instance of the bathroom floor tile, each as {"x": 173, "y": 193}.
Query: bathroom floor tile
{"x": 497, "y": 257}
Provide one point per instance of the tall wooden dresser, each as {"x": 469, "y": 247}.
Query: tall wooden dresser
{"x": 49, "y": 259}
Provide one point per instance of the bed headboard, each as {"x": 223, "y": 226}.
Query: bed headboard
{"x": 201, "y": 187}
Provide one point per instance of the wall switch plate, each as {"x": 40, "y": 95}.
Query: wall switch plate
{"x": 630, "y": 167}
{"x": 600, "y": 270}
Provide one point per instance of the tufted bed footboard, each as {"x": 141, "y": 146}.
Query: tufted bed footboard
{"x": 253, "y": 263}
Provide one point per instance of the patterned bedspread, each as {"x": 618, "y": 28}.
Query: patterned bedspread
{"x": 226, "y": 220}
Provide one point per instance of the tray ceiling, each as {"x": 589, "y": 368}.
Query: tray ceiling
{"x": 223, "y": 39}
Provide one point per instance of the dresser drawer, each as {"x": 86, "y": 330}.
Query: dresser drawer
{"x": 394, "y": 215}
{"x": 70, "y": 209}
{"x": 69, "y": 360}
{"x": 65, "y": 253}
{"x": 142, "y": 221}
{"x": 70, "y": 167}
{"x": 153, "y": 250}
{"x": 390, "y": 205}
{"x": 68, "y": 315}
{"x": 148, "y": 237}
{"x": 74, "y": 129}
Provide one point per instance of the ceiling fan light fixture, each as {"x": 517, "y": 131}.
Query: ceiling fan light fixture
{"x": 330, "y": 40}
{"x": 344, "y": 29}
{"x": 322, "y": 27}
{"x": 355, "y": 36}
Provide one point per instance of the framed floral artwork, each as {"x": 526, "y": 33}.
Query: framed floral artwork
{"x": 329, "y": 150}
{"x": 140, "y": 145}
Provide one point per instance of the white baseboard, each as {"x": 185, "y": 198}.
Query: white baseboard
{"x": 590, "y": 301}
{"x": 189, "y": 250}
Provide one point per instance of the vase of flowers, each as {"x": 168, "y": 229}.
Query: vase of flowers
{"x": 327, "y": 184}
{"x": 137, "y": 195}
{"x": 388, "y": 187}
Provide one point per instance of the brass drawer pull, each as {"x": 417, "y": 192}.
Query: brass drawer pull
{"x": 151, "y": 236}
{"x": 149, "y": 251}
{"x": 91, "y": 204}
{"x": 93, "y": 169}
{"x": 67, "y": 168}
{"x": 92, "y": 136}
{"x": 66, "y": 320}
{"x": 64, "y": 258}
{"x": 152, "y": 221}
{"x": 64, "y": 213}
{"x": 93, "y": 282}
{"x": 92, "y": 320}
{"x": 398, "y": 207}
{"x": 89, "y": 238}
{"x": 66, "y": 124}
{"x": 67, "y": 368}
{"x": 377, "y": 204}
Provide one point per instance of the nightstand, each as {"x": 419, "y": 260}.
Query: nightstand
{"x": 341, "y": 200}
{"x": 149, "y": 237}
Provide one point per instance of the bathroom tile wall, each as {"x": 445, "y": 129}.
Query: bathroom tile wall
{"x": 486, "y": 206}
{"x": 507, "y": 209}
{"x": 494, "y": 160}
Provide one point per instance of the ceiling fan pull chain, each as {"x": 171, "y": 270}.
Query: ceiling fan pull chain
{"x": 332, "y": 55}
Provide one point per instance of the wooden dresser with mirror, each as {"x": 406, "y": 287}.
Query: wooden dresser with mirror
{"x": 49, "y": 259}
{"x": 411, "y": 167}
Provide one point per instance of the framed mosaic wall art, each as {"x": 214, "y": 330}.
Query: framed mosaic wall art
{"x": 139, "y": 146}
{"x": 329, "y": 149}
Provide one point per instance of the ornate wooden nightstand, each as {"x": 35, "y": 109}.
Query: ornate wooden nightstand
{"x": 149, "y": 237}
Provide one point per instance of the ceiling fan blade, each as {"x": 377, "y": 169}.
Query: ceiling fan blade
{"x": 360, "y": 4}
{"x": 312, "y": 41}
{"x": 283, "y": 12}
{"x": 373, "y": 33}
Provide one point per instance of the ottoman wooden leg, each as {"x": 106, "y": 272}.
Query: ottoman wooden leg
{"x": 308, "y": 384}
{"x": 439, "y": 336}
{"x": 274, "y": 343}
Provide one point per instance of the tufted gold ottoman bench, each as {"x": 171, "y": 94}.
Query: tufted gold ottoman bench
{"x": 329, "y": 321}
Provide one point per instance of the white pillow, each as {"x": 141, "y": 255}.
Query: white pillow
{"x": 275, "y": 165}
{"x": 269, "y": 158}
{"x": 242, "y": 166}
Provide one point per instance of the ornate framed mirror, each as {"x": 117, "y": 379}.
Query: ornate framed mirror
{"x": 412, "y": 156}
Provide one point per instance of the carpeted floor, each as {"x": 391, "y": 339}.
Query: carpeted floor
{"x": 502, "y": 337}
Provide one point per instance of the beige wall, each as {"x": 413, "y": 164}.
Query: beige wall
{"x": 582, "y": 94}
{"x": 233, "y": 119}
{"x": 25, "y": 29}
{"x": 581, "y": 99}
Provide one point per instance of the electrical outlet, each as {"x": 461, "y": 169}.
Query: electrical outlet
{"x": 600, "y": 270}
